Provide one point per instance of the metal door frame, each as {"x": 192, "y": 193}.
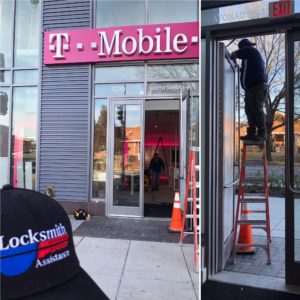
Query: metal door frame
{"x": 185, "y": 115}
{"x": 110, "y": 126}
{"x": 225, "y": 250}
{"x": 292, "y": 267}
{"x": 124, "y": 210}
{"x": 212, "y": 34}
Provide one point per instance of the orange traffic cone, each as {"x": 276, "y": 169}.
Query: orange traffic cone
{"x": 245, "y": 234}
{"x": 176, "y": 220}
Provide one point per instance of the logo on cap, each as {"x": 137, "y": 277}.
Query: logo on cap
{"x": 19, "y": 253}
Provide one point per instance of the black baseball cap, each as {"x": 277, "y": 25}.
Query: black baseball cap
{"x": 37, "y": 253}
{"x": 244, "y": 43}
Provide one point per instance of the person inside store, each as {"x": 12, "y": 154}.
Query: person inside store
{"x": 156, "y": 165}
{"x": 254, "y": 82}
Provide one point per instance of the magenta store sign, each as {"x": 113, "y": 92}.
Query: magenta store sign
{"x": 147, "y": 42}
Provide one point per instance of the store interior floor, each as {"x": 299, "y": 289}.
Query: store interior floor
{"x": 159, "y": 203}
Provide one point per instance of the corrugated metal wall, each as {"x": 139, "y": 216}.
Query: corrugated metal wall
{"x": 65, "y": 104}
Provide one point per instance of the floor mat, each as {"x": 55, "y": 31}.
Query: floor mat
{"x": 158, "y": 210}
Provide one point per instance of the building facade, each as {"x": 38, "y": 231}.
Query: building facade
{"x": 83, "y": 124}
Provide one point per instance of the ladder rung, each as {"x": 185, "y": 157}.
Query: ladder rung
{"x": 253, "y": 143}
{"x": 252, "y": 222}
{"x": 191, "y": 199}
{"x": 256, "y": 211}
{"x": 188, "y": 232}
{"x": 190, "y": 216}
{"x": 256, "y": 199}
{"x": 250, "y": 245}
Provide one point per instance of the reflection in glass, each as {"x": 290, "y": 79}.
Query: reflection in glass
{"x": 6, "y": 28}
{"x": 177, "y": 72}
{"x": 235, "y": 13}
{"x": 297, "y": 146}
{"x": 99, "y": 158}
{"x": 5, "y": 77}
{"x": 166, "y": 88}
{"x": 24, "y": 123}
{"x": 170, "y": 11}
{"x": 124, "y": 73}
{"x": 26, "y": 77}
{"x": 127, "y": 155}
{"x": 119, "y": 89}
{"x": 119, "y": 13}
{"x": 195, "y": 121}
{"x": 4, "y": 131}
{"x": 26, "y": 34}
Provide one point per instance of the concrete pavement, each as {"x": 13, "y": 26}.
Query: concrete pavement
{"x": 139, "y": 270}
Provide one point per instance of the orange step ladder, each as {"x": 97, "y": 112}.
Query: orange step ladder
{"x": 191, "y": 209}
{"x": 245, "y": 243}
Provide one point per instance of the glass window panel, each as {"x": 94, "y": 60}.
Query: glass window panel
{"x": 4, "y": 132}
{"x": 297, "y": 115}
{"x": 172, "y": 11}
{"x": 124, "y": 73}
{"x": 241, "y": 12}
{"x": 24, "y": 134}
{"x": 167, "y": 88}
{"x": 6, "y": 29}
{"x": 99, "y": 158}
{"x": 297, "y": 147}
{"x": 5, "y": 77}
{"x": 119, "y": 89}
{"x": 127, "y": 155}
{"x": 176, "y": 72}
{"x": 27, "y": 34}
{"x": 26, "y": 77}
{"x": 119, "y": 13}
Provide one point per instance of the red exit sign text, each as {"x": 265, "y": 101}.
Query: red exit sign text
{"x": 281, "y": 8}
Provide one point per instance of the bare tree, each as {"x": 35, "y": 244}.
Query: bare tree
{"x": 272, "y": 49}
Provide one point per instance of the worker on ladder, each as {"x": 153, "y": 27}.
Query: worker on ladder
{"x": 156, "y": 165}
{"x": 254, "y": 82}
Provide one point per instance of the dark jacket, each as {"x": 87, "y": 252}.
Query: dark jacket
{"x": 156, "y": 164}
{"x": 253, "y": 67}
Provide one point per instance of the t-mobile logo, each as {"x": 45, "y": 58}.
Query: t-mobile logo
{"x": 60, "y": 45}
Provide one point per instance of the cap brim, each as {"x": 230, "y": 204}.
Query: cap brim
{"x": 79, "y": 287}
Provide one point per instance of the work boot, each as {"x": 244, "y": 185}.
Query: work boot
{"x": 261, "y": 135}
{"x": 251, "y": 134}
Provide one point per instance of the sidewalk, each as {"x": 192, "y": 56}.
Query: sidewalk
{"x": 138, "y": 270}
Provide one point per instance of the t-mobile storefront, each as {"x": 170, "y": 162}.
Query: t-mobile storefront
{"x": 118, "y": 82}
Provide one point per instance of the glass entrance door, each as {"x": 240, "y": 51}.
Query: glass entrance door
{"x": 126, "y": 158}
{"x": 184, "y": 140}
{"x": 227, "y": 83}
{"x": 293, "y": 159}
